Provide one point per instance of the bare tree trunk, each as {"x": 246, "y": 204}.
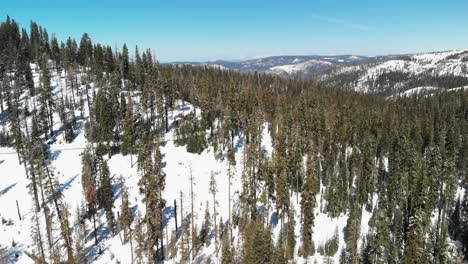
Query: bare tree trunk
{"x": 17, "y": 207}
{"x": 95, "y": 231}
{"x": 215, "y": 223}
{"x": 63, "y": 228}
{"x": 33, "y": 175}
{"x": 41, "y": 247}
{"x": 131, "y": 244}
{"x": 47, "y": 221}
{"x": 193, "y": 218}
{"x": 181, "y": 215}
{"x": 229, "y": 203}
{"x": 175, "y": 214}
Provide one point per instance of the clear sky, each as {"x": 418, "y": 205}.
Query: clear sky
{"x": 199, "y": 30}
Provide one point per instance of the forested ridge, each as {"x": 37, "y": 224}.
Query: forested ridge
{"x": 402, "y": 160}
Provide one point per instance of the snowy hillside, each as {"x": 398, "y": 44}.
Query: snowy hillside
{"x": 20, "y": 221}
{"x": 107, "y": 156}
{"x": 384, "y": 75}
{"x": 442, "y": 69}
{"x": 300, "y": 68}
{"x": 290, "y": 66}
{"x": 424, "y": 90}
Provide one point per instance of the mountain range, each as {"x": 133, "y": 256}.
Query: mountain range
{"x": 384, "y": 75}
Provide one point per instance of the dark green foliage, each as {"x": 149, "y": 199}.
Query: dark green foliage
{"x": 464, "y": 226}
{"x": 189, "y": 132}
{"x": 330, "y": 248}
{"x": 104, "y": 112}
{"x": 344, "y": 138}
{"x": 227, "y": 254}
{"x": 106, "y": 194}
{"x": 352, "y": 233}
{"x": 258, "y": 246}
{"x": 310, "y": 188}
{"x": 129, "y": 131}
{"x": 152, "y": 184}
{"x": 205, "y": 231}
{"x": 126, "y": 216}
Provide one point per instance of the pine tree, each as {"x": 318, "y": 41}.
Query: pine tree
{"x": 309, "y": 190}
{"x": 378, "y": 235}
{"x": 124, "y": 64}
{"x": 153, "y": 183}
{"x": 88, "y": 181}
{"x": 129, "y": 133}
{"x": 291, "y": 235}
{"x": 352, "y": 233}
{"x": 107, "y": 194}
{"x": 227, "y": 256}
{"x": 204, "y": 236}
{"x": 80, "y": 236}
{"x": 46, "y": 98}
{"x": 213, "y": 190}
{"x": 464, "y": 226}
{"x": 126, "y": 218}
{"x": 257, "y": 244}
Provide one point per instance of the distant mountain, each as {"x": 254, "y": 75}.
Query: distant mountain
{"x": 444, "y": 70}
{"x": 385, "y": 75}
{"x": 289, "y": 66}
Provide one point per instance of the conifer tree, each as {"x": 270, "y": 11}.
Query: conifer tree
{"x": 46, "y": 98}
{"x": 227, "y": 256}
{"x": 88, "y": 181}
{"x": 310, "y": 188}
{"x": 258, "y": 244}
{"x": 464, "y": 226}
{"x": 205, "y": 231}
{"x": 129, "y": 133}
{"x": 153, "y": 183}
{"x": 107, "y": 194}
{"x": 213, "y": 191}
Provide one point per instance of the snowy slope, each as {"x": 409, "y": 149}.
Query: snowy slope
{"x": 15, "y": 234}
{"x": 401, "y": 73}
{"x": 425, "y": 90}
{"x": 299, "y": 68}
{"x": 288, "y": 66}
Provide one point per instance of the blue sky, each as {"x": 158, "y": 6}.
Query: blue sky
{"x": 202, "y": 30}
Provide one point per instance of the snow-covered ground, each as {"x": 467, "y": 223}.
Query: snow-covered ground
{"x": 178, "y": 164}
{"x": 449, "y": 63}
{"x": 298, "y": 67}
{"x": 425, "y": 90}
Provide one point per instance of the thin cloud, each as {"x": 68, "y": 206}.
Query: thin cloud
{"x": 341, "y": 22}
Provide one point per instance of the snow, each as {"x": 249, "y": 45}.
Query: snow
{"x": 178, "y": 164}
{"x": 296, "y": 60}
{"x": 458, "y": 88}
{"x": 435, "y": 56}
{"x": 426, "y": 90}
{"x": 299, "y": 67}
{"x": 433, "y": 64}
{"x": 415, "y": 91}
{"x": 66, "y": 161}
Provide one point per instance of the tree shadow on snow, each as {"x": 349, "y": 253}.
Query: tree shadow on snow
{"x": 4, "y": 191}
{"x": 274, "y": 219}
{"x": 116, "y": 190}
{"x": 168, "y": 213}
{"x": 63, "y": 187}
{"x": 239, "y": 144}
{"x": 94, "y": 251}
{"x": 53, "y": 155}
{"x": 13, "y": 256}
{"x": 67, "y": 184}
